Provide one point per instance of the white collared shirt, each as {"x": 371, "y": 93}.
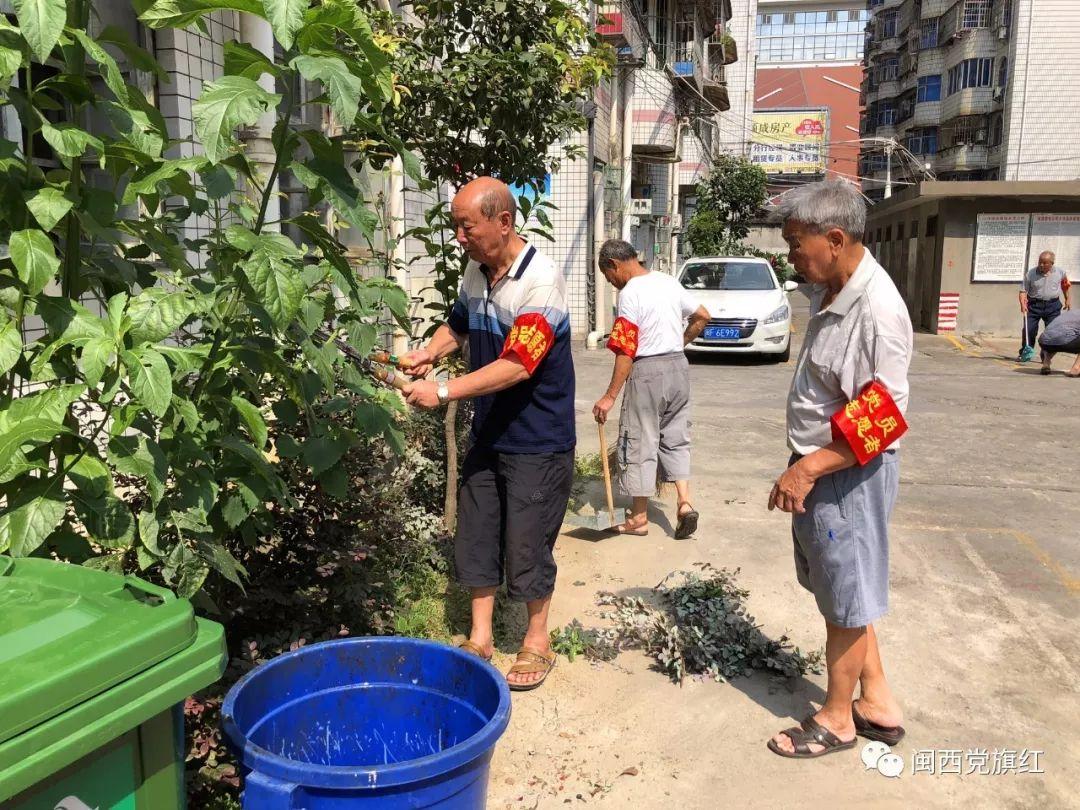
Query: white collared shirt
{"x": 862, "y": 336}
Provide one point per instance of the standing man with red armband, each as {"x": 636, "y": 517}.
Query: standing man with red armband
{"x": 516, "y": 477}
{"x": 845, "y": 413}
{"x": 657, "y": 318}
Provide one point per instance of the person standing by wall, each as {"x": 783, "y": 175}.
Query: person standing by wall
{"x": 1040, "y": 300}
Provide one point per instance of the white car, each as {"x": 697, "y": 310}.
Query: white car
{"x": 748, "y": 308}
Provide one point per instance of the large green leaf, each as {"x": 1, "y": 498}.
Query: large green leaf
{"x": 11, "y": 346}
{"x": 27, "y": 431}
{"x": 323, "y": 452}
{"x": 150, "y": 379}
{"x": 114, "y": 79}
{"x": 156, "y": 314}
{"x": 48, "y": 205}
{"x": 95, "y": 358}
{"x": 141, "y": 457}
{"x": 69, "y": 321}
{"x": 34, "y": 258}
{"x": 91, "y": 477}
{"x": 70, "y": 141}
{"x": 148, "y": 183}
{"x": 222, "y": 561}
{"x": 286, "y": 17}
{"x": 50, "y": 404}
{"x": 242, "y": 59}
{"x": 253, "y": 419}
{"x": 31, "y": 515}
{"x": 11, "y": 60}
{"x": 108, "y": 520}
{"x": 343, "y": 88}
{"x": 278, "y": 285}
{"x": 42, "y": 23}
{"x": 182, "y": 13}
{"x": 185, "y": 359}
{"x": 135, "y": 127}
{"x": 224, "y": 105}
{"x": 185, "y": 571}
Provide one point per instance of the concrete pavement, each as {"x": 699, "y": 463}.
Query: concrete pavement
{"x": 980, "y": 644}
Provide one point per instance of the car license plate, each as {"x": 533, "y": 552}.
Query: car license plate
{"x": 721, "y": 333}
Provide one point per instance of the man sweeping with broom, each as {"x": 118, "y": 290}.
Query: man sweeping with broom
{"x": 654, "y": 425}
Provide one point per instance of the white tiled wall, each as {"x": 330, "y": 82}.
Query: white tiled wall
{"x": 1043, "y": 101}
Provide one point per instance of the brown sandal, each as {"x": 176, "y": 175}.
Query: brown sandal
{"x": 687, "y": 522}
{"x": 528, "y": 661}
{"x": 810, "y": 732}
{"x": 890, "y": 735}
{"x": 469, "y": 647}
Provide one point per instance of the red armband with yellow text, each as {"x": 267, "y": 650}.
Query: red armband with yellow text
{"x": 530, "y": 339}
{"x": 624, "y": 337}
{"x": 1065, "y": 284}
{"x": 870, "y": 423}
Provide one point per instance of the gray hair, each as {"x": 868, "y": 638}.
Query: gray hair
{"x": 615, "y": 250}
{"x": 1050, "y": 253}
{"x": 825, "y": 205}
{"x": 494, "y": 201}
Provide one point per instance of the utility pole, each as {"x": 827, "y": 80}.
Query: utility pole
{"x": 889, "y": 146}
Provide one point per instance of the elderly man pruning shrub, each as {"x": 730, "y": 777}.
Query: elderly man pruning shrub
{"x": 845, "y": 413}
{"x": 517, "y": 474}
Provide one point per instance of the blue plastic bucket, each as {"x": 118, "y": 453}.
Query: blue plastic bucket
{"x": 367, "y": 722}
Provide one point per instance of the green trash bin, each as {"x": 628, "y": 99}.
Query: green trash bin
{"x": 94, "y": 669}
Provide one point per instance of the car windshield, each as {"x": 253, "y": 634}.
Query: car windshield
{"x": 727, "y": 276}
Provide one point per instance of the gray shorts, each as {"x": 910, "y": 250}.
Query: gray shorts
{"x": 842, "y": 541}
{"x": 654, "y": 424}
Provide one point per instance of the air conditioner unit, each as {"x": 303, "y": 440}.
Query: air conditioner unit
{"x": 980, "y": 136}
{"x": 641, "y": 207}
{"x": 999, "y": 93}
{"x": 676, "y": 222}
{"x": 1003, "y": 32}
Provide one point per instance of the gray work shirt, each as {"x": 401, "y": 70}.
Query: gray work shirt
{"x": 1043, "y": 286}
{"x": 862, "y": 336}
{"x": 1064, "y": 330}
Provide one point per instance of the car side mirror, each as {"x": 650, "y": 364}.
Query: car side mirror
{"x": 790, "y": 286}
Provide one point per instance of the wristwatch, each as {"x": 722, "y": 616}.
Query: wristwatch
{"x": 443, "y": 393}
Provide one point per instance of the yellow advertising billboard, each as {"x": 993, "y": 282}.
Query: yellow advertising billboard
{"x": 790, "y": 141}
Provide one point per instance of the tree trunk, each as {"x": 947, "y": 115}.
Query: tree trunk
{"x": 450, "y": 432}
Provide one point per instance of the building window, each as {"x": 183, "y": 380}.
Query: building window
{"x": 811, "y": 36}
{"x": 1003, "y": 71}
{"x": 886, "y": 116}
{"x": 661, "y": 32}
{"x": 975, "y": 14}
{"x": 928, "y": 34}
{"x": 929, "y": 88}
{"x": 889, "y": 69}
{"x": 970, "y": 73}
{"x": 923, "y": 141}
{"x": 964, "y": 131}
{"x": 997, "y": 130}
{"x": 889, "y": 23}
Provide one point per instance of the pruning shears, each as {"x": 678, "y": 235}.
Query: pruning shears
{"x": 380, "y": 364}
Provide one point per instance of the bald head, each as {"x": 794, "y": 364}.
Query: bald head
{"x": 492, "y": 197}
{"x": 484, "y": 214}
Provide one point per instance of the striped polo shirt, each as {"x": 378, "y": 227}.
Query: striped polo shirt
{"x": 524, "y": 314}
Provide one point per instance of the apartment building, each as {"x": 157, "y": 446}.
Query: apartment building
{"x": 970, "y": 90}
{"x": 654, "y": 127}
